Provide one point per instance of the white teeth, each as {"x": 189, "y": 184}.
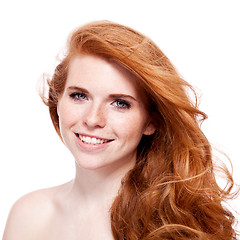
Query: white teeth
{"x": 94, "y": 140}
{"x": 90, "y": 140}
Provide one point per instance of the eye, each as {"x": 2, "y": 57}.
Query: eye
{"x": 78, "y": 96}
{"x": 121, "y": 104}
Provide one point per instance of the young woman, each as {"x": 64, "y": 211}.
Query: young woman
{"x": 144, "y": 168}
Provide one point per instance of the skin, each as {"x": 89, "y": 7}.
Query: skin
{"x": 100, "y": 100}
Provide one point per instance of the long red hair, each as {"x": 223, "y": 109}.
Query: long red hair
{"x": 171, "y": 193}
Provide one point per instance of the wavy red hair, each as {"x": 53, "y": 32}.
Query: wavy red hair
{"x": 171, "y": 193}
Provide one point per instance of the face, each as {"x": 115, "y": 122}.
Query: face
{"x": 101, "y": 114}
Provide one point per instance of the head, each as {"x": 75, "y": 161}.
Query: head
{"x": 166, "y": 102}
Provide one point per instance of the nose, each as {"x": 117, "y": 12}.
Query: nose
{"x": 94, "y": 117}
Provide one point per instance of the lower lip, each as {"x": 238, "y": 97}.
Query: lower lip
{"x": 91, "y": 147}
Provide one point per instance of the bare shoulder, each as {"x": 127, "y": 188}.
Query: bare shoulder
{"x": 32, "y": 213}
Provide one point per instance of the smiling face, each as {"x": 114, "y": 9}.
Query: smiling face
{"x": 101, "y": 114}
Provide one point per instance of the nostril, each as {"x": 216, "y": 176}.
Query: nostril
{"x": 95, "y": 119}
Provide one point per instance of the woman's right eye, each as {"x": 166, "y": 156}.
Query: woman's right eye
{"x": 78, "y": 96}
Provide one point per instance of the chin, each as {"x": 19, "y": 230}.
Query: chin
{"x": 90, "y": 165}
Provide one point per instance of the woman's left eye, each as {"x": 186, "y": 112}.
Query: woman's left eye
{"x": 121, "y": 104}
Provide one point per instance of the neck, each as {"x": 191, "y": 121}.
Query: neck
{"x": 99, "y": 186}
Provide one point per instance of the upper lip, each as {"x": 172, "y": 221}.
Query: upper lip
{"x": 92, "y": 136}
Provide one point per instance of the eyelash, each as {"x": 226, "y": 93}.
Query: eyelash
{"x": 78, "y": 96}
{"x": 118, "y": 103}
{"x": 122, "y": 104}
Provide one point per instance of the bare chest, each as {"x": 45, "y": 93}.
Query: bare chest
{"x": 81, "y": 228}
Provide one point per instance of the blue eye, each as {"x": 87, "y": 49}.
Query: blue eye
{"x": 78, "y": 96}
{"x": 122, "y": 104}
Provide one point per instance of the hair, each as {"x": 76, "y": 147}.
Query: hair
{"x": 172, "y": 192}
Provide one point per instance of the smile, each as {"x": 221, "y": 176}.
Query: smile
{"x": 93, "y": 140}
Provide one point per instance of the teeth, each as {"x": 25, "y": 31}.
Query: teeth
{"x": 90, "y": 140}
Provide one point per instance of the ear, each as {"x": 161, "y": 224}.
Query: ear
{"x": 150, "y": 129}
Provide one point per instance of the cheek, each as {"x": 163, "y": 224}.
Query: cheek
{"x": 66, "y": 116}
{"x": 132, "y": 126}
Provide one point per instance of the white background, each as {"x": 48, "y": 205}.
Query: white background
{"x": 201, "y": 38}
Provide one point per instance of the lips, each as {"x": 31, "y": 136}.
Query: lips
{"x": 92, "y": 140}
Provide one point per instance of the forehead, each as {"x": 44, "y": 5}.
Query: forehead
{"x": 94, "y": 72}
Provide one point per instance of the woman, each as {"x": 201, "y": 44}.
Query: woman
{"x": 144, "y": 168}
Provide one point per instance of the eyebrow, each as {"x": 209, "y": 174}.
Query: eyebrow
{"x": 75, "y": 88}
{"x": 113, "y": 96}
{"x": 122, "y": 96}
